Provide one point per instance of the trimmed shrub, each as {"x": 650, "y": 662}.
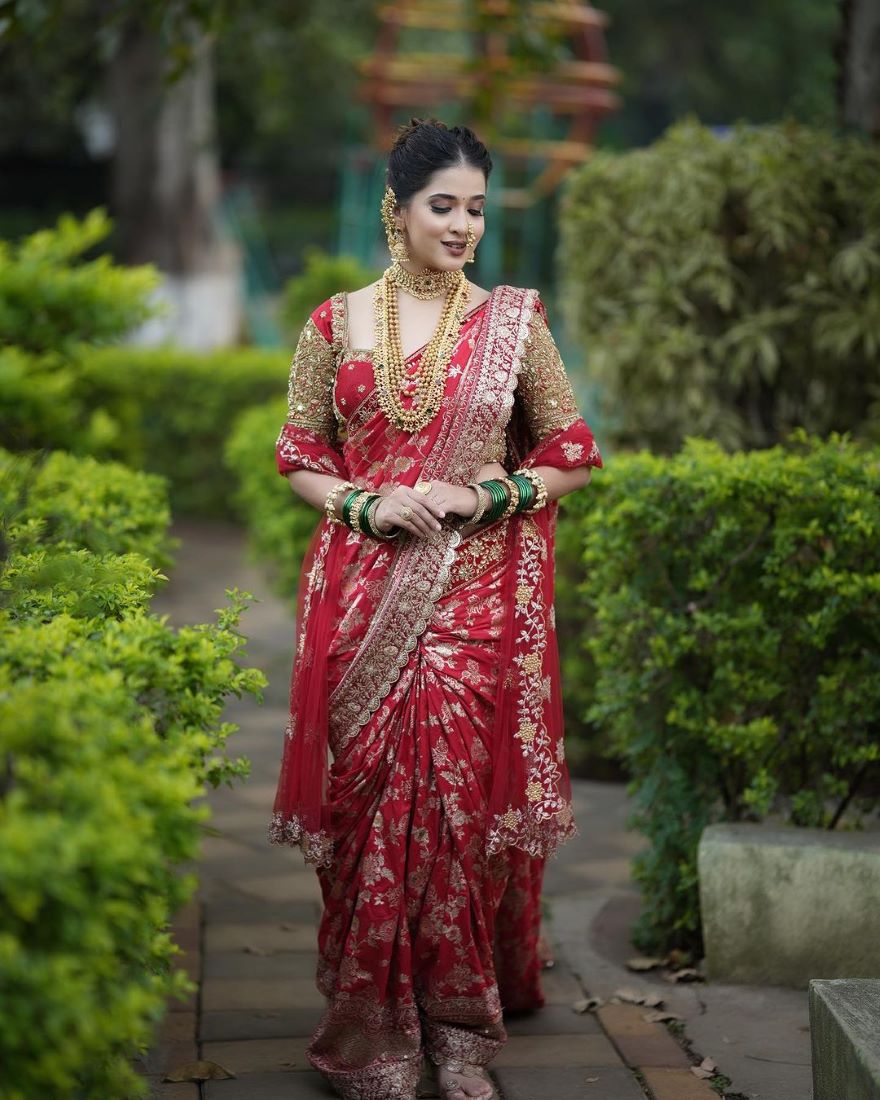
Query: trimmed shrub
{"x": 173, "y": 410}
{"x": 110, "y": 726}
{"x": 732, "y": 619}
{"x": 728, "y": 286}
{"x": 280, "y": 524}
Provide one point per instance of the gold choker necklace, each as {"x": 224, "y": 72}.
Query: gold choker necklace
{"x": 426, "y": 284}
{"x": 390, "y": 366}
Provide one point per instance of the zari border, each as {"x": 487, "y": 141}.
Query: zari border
{"x": 421, "y": 567}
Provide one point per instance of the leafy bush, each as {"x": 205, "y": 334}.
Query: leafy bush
{"x": 110, "y": 726}
{"x": 280, "y": 524}
{"x": 733, "y": 621}
{"x": 323, "y": 276}
{"x": 728, "y": 285}
{"x": 52, "y": 305}
{"x": 173, "y": 409}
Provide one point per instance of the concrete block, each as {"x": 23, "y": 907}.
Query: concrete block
{"x": 782, "y": 905}
{"x": 845, "y": 1039}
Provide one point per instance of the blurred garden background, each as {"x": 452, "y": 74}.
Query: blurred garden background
{"x": 695, "y": 190}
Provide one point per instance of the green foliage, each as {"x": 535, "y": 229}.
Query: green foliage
{"x": 52, "y": 301}
{"x": 729, "y": 286}
{"x": 70, "y": 502}
{"x": 172, "y": 411}
{"x": 110, "y": 726}
{"x": 323, "y": 276}
{"x": 732, "y": 611}
{"x": 280, "y": 524}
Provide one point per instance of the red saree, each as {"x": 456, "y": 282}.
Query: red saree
{"x": 428, "y": 668}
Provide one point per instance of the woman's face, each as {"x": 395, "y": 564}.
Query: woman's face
{"x": 435, "y": 219}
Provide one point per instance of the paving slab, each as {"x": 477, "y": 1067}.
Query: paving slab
{"x": 258, "y": 1024}
{"x": 269, "y": 1086}
{"x": 568, "y": 1083}
{"x": 557, "y": 1050}
{"x": 667, "y": 1083}
{"x": 300, "y": 965}
{"x": 553, "y": 1020}
{"x": 260, "y": 1055}
{"x": 278, "y": 936}
{"x": 223, "y": 994}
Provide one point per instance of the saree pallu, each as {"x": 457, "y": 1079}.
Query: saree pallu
{"x": 428, "y": 668}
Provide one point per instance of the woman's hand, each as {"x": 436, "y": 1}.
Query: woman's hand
{"x": 418, "y": 513}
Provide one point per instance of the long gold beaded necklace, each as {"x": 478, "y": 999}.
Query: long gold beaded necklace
{"x": 390, "y": 370}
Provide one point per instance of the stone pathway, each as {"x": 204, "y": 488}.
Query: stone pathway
{"x": 249, "y": 936}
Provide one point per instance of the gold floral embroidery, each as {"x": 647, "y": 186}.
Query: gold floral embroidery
{"x": 544, "y": 388}
{"x": 526, "y": 732}
{"x": 476, "y": 554}
{"x": 532, "y": 663}
{"x": 309, "y": 398}
{"x": 524, "y": 594}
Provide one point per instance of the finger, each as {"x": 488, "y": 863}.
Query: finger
{"x": 423, "y": 512}
{"x": 415, "y": 527}
{"x": 414, "y": 498}
{"x": 422, "y": 526}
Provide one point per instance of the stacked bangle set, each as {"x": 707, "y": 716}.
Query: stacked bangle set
{"x": 523, "y": 491}
{"x": 358, "y": 510}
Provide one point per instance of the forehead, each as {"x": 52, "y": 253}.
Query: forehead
{"x": 462, "y": 180}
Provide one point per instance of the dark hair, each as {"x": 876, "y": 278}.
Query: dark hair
{"x": 424, "y": 146}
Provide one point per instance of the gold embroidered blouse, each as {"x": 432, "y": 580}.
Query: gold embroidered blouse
{"x": 543, "y": 387}
{"x": 310, "y": 386}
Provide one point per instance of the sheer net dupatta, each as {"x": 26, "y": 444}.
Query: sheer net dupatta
{"x": 309, "y": 441}
{"x": 300, "y": 815}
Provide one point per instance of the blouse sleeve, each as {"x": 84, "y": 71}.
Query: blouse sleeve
{"x": 308, "y": 439}
{"x": 558, "y": 434}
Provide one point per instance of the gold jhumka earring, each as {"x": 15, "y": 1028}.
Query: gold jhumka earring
{"x": 396, "y": 242}
{"x": 471, "y": 243}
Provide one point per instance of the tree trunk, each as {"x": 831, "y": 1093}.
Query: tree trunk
{"x": 858, "y": 58}
{"x": 166, "y": 188}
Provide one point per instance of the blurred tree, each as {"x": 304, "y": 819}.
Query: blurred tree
{"x": 858, "y": 57}
{"x": 752, "y": 60}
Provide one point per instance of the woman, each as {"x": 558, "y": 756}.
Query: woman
{"x": 433, "y": 423}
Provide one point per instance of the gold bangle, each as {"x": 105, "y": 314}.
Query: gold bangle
{"x": 384, "y": 536}
{"x": 513, "y": 490}
{"x": 355, "y": 513}
{"x": 330, "y": 502}
{"x": 540, "y": 489}
{"x": 483, "y": 502}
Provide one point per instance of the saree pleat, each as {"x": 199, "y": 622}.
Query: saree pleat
{"x": 427, "y": 670}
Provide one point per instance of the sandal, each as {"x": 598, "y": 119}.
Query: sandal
{"x": 464, "y": 1069}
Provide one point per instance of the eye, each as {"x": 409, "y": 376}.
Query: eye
{"x": 476, "y": 213}
{"x": 441, "y": 209}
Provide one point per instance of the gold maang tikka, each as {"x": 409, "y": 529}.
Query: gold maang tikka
{"x": 396, "y": 242}
{"x": 471, "y": 243}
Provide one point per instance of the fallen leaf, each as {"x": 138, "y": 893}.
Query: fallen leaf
{"x": 252, "y": 950}
{"x": 708, "y": 1064}
{"x": 698, "y": 1072}
{"x": 644, "y": 962}
{"x": 587, "y": 1004}
{"x": 198, "y": 1071}
{"x": 688, "y": 974}
{"x": 631, "y": 996}
{"x": 659, "y": 1017}
{"x": 652, "y": 1000}
{"x": 590, "y": 1080}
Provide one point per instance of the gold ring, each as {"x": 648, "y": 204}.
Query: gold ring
{"x": 424, "y": 487}
{"x": 406, "y": 512}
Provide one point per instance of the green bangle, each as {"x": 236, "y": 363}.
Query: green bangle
{"x": 366, "y": 526}
{"x": 527, "y": 492}
{"x": 498, "y": 492}
{"x": 346, "y": 505}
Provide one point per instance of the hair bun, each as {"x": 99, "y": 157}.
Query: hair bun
{"x": 406, "y": 131}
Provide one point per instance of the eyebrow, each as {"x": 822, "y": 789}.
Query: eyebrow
{"x": 440, "y": 195}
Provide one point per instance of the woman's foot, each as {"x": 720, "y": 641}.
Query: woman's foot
{"x": 460, "y": 1081}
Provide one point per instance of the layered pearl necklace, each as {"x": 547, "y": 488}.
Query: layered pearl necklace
{"x": 430, "y": 379}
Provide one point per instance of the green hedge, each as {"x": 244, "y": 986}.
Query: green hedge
{"x": 731, "y": 625}
{"x": 65, "y": 383}
{"x": 728, "y": 285}
{"x": 110, "y": 726}
{"x": 280, "y": 524}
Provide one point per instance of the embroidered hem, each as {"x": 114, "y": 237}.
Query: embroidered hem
{"x": 316, "y": 848}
